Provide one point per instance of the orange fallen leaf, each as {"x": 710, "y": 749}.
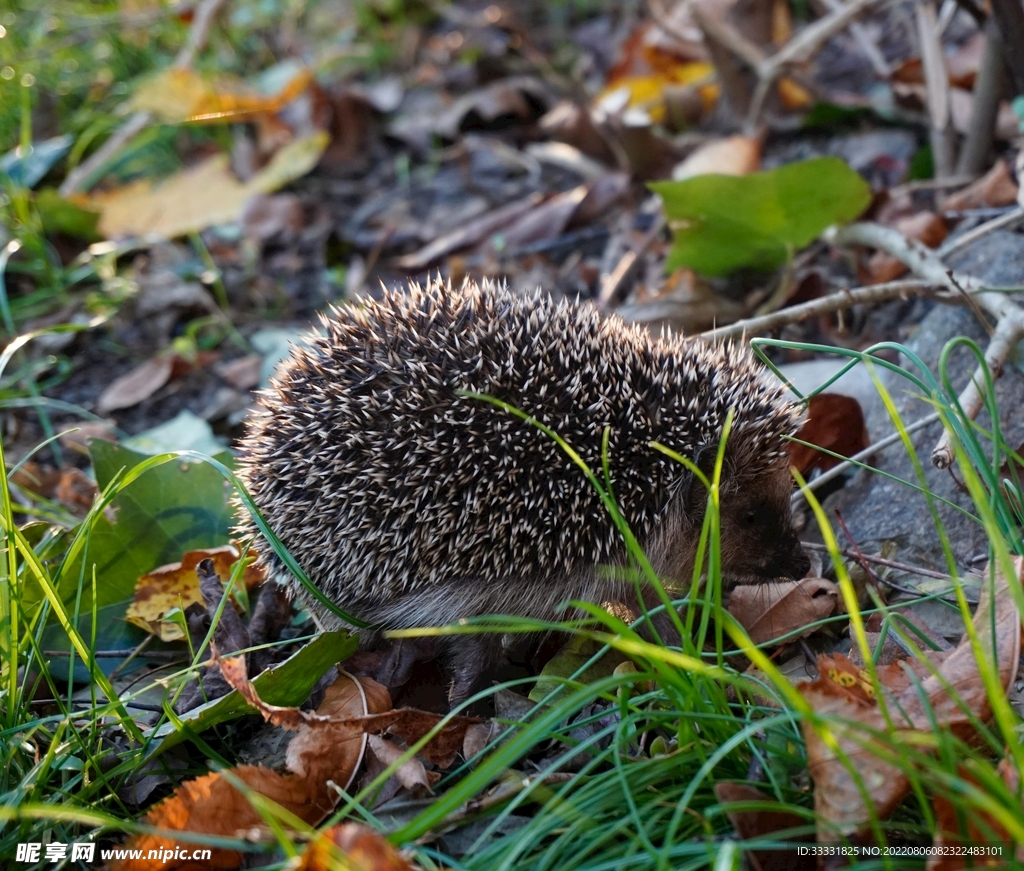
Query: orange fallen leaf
{"x": 172, "y": 208}
{"x": 352, "y": 845}
{"x": 647, "y": 91}
{"x": 845, "y": 699}
{"x": 995, "y": 188}
{"x": 769, "y": 611}
{"x": 980, "y": 827}
{"x": 176, "y": 586}
{"x": 763, "y": 824}
{"x": 213, "y": 805}
{"x": 793, "y": 95}
{"x": 177, "y": 95}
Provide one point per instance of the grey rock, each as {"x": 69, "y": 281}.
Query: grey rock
{"x": 876, "y": 508}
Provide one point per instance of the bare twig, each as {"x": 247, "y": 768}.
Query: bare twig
{"x": 867, "y": 45}
{"x": 926, "y": 264}
{"x": 1003, "y": 222}
{"x": 881, "y": 561}
{"x": 80, "y": 177}
{"x": 801, "y": 48}
{"x": 198, "y": 33}
{"x": 824, "y": 305}
{"x": 937, "y": 88}
{"x": 1008, "y": 332}
{"x": 843, "y": 467}
{"x": 767, "y": 68}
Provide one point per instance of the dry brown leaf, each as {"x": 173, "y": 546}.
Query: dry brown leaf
{"x": 769, "y": 611}
{"x": 547, "y": 220}
{"x": 76, "y": 491}
{"x": 981, "y": 827}
{"x": 78, "y": 438}
{"x": 764, "y": 824}
{"x": 171, "y": 207}
{"x": 411, "y": 773}
{"x": 177, "y": 95}
{"x": 139, "y": 384}
{"x": 834, "y": 422}
{"x": 995, "y": 188}
{"x": 212, "y": 805}
{"x": 352, "y": 846}
{"x": 463, "y": 237}
{"x": 176, "y": 586}
{"x": 267, "y": 217}
{"x": 925, "y": 227}
{"x": 242, "y": 373}
{"x": 41, "y": 480}
{"x": 734, "y": 155}
{"x": 845, "y": 697}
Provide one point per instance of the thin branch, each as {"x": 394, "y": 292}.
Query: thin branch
{"x": 612, "y": 283}
{"x": 937, "y": 89}
{"x": 1003, "y": 222}
{"x": 881, "y": 561}
{"x": 864, "y": 40}
{"x": 824, "y": 305}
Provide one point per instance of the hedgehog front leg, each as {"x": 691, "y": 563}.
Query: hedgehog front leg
{"x": 469, "y": 658}
{"x": 401, "y": 656}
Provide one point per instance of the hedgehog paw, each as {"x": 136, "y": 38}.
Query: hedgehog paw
{"x": 470, "y": 658}
{"x": 401, "y": 656}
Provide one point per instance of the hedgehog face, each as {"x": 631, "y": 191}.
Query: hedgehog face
{"x": 758, "y": 542}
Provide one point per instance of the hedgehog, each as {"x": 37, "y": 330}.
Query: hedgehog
{"x": 412, "y": 501}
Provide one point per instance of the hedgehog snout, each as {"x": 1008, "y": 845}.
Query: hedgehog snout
{"x": 792, "y": 564}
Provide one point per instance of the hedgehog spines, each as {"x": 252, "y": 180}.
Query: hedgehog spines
{"x": 385, "y": 480}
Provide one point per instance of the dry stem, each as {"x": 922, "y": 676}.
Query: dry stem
{"x": 823, "y": 305}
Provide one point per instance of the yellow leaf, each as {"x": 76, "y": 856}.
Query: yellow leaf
{"x": 793, "y": 95}
{"x": 647, "y": 91}
{"x": 200, "y": 196}
{"x": 176, "y": 586}
{"x": 178, "y": 95}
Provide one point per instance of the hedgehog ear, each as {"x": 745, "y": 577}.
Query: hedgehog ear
{"x": 692, "y": 491}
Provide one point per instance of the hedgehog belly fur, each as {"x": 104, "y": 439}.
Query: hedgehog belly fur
{"x": 409, "y": 503}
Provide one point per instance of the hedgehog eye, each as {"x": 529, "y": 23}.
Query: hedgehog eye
{"x": 750, "y": 517}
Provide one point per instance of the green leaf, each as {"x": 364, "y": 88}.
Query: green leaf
{"x": 169, "y": 510}
{"x": 59, "y": 215}
{"x": 287, "y": 684}
{"x": 723, "y": 223}
{"x": 575, "y": 653}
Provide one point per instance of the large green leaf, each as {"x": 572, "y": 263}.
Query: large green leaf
{"x": 723, "y": 222}
{"x": 174, "y": 508}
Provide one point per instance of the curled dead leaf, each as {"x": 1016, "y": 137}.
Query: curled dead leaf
{"x": 769, "y": 611}
{"x": 844, "y": 697}
{"x": 176, "y": 585}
